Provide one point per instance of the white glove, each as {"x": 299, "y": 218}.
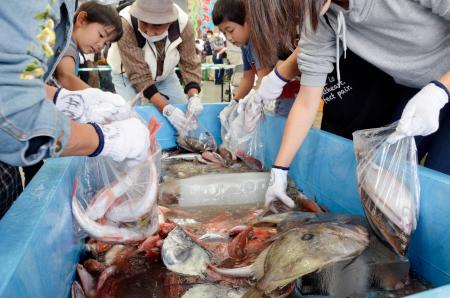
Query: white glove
{"x": 195, "y": 106}
{"x": 92, "y": 105}
{"x": 124, "y": 140}
{"x": 277, "y": 188}
{"x": 420, "y": 117}
{"x": 178, "y": 119}
{"x": 271, "y": 87}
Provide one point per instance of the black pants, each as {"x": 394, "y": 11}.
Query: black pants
{"x": 30, "y": 171}
{"x": 10, "y": 186}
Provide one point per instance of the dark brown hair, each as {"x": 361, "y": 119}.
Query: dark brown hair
{"x": 106, "y": 15}
{"x": 228, "y": 10}
{"x": 276, "y": 24}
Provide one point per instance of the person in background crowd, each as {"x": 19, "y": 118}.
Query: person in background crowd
{"x": 157, "y": 37}
{"x": 40, "y": 122}
{"x": 219, "y": 48}
{"x": 207, "y": 51}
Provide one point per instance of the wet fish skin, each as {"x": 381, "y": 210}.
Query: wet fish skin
{"x": 96, "y": 230}
{"x": 298, "y": 219}
{"x": 280, "y": 217}
{"x": 180, "y": 169}
{"x": 212, "y": 291}
{"x": 87, "y": 280}
{"x": 304, "y": 250}
{"x": 205, "y": 142}
{"x": 182, "y": 156}
{"x": 132, "y": 209}
{"x": 216, "y": 158}
{"x": 76, "y": 291}
{"x": 182, "y": 255}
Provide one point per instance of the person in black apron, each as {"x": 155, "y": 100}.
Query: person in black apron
{"x": 369, "y": 98}
{"x": 366, "y": 98}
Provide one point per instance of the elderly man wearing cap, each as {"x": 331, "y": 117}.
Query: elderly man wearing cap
{"x": 157, "y": 37}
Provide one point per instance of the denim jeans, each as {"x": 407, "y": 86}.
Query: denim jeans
{"x": 31, "y": 129}
{"x": 170, "y": 87}
{"x": 283, "y": 106}
{"x": 218, "y": 74}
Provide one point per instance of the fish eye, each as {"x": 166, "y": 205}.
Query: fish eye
{"x": 307, "y": 237}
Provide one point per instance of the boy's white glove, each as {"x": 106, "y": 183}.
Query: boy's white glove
{"x": 195, "y": 106}
{"x": 91, "y": 105}
{"x": 177, "y": 118}
{"x": 123, "y": 140}
{"x": 420, "y": 117}
{"x": 277, "y": 188}
{"x": 271, "y": 87}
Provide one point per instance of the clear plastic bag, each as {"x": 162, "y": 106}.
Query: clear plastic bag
{"x": 114, "y": 202}
{"x": 242, "y": 137}
{"x": 198, "y": 139}
{"x": 388, "y": 184}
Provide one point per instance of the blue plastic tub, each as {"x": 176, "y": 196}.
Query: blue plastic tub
{"x": 38, "y": 251}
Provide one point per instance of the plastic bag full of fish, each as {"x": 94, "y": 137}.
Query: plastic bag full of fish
{"x": 122, "y": 211}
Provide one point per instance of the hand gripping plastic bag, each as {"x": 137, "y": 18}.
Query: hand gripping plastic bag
{"x": 194, "y": 137}
{"x": 114, "y": 202}
{"x": 388, "y": 184}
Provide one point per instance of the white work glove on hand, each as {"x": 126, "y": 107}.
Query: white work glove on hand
{"x": 195, "y": 106}
{"x": 123, "y": 140}
{"x": 177, "y": 118}
{"x": 277, "y": 189}
{"x": 92, "y": 105}
{"x": 420, "y": 117}
{"x": 271, "y": 87}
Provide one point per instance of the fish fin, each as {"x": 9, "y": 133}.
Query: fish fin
{"x": 153, "y": 127}
{"x": 253, "y": 293}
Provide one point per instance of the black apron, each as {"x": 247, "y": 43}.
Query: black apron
{"x": 366, "y": 98}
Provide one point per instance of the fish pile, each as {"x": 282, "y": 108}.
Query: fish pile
{"x": 208, "y": 247}
{"x": 178, "y": 166}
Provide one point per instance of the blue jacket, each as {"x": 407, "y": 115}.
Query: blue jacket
{"x": 34, "y": 35}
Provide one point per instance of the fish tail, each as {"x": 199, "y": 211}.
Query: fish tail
{"x": 252, "y": 293}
